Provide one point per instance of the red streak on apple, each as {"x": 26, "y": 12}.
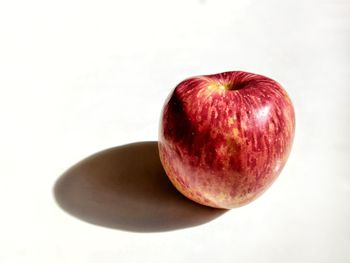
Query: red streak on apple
{"x": 224, "y": 138}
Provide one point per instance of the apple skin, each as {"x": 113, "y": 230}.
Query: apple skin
{"x": 224, "y": 138}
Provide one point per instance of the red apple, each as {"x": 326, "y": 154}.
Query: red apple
{"x": 224, "y": 138}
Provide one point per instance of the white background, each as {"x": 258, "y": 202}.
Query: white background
{"x": 77, "y": 77}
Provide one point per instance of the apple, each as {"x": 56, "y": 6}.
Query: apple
{"x": 224, "y": 138}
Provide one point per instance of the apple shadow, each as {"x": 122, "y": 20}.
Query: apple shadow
{"x": 126, "y": 188}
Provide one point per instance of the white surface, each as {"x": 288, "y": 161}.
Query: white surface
{"x": 77, "y": 77}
